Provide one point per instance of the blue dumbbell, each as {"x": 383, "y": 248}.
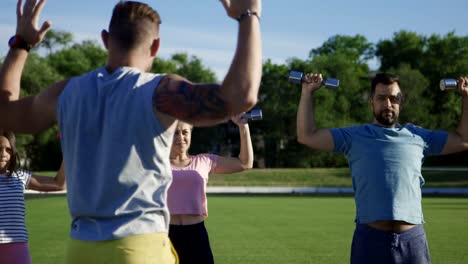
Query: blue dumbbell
{"x": 448, "y": 84}
{"x": 298, "y": 77}
{"x": 254, "y": 114}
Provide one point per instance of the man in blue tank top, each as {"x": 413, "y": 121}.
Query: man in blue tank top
{"x": 385, "y": 159}
{"x": 117, "y": 123}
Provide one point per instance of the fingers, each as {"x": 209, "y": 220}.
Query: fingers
{"x": 31, "y": 9}
{"x": 19, "y": 9}
{"x": 28, "y": 12}
{"x": 464, "y": 82}
{"x": 313, "y": 78}
{"x": 462, "y": 85}
{"x": 239, "y": 120}
{"x": 236, "y": 118}
{"x": 29, "y": 6}
{"x": 461, "y": 81}
{"x": 45, "y": 27}
{"x": 226, "y": 4}
{"x": 235, "y": 7}
{"x": 37, "y": 10}
{"x": 319, "y": 78}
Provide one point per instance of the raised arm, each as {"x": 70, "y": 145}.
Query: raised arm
{"x": 307, "y": 132}
{"x": 27, "y": 35}
{"x": 208, "y": 104}
{"x": 458, "y": 141}
{"x": 49, "y": 184}
{"x": 246, "y": 156}
{"x": 35, "y": 113}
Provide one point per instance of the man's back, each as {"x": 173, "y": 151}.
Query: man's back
{"x": 118, "y": 154}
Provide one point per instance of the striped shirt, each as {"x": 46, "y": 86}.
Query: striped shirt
{"x": 12, "y": 210}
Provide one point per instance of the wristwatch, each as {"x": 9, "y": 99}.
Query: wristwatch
{"x": 17, "y": 42}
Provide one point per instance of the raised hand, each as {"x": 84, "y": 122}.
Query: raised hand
{"x": 235, "y": 8}
{"x": 312, "y": 82}
{"x": 463, "y": 86}
{"x": 27, "y": 17}
{"x": 238, "y": 120}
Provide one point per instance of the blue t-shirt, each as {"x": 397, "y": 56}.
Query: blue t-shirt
{"x": 385, "y": 167}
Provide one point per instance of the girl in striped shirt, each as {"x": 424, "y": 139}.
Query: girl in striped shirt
{"x": 13, "y": 181}
{"x": 187, "y": 194}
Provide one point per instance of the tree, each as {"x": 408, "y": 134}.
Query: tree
{"x": 356, "y": 48}
{"x": 405, "y": 48}
{"x": 435, "y": 57}
{"x": 78, "y": 59}
{"x": 192, "y": 68}
{"x": 415, "y": 105}
{"x": 56, "y": 39}
{"x": 422, "y": 62}
{"x": 38, "y": 74}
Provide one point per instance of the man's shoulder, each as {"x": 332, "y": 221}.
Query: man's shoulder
{"x": 354, "y": 127}
{"x": 415, "y": 128}
{"x": 93, "y": 73}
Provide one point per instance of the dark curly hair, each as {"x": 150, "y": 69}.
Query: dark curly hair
{"x": 14, "y": 159}
{"x": 384, "y": 78}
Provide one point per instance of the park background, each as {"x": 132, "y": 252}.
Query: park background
{"x": 420, "y": 61}
{"x": 422, "y": 41}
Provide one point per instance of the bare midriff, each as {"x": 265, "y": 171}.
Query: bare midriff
{"x": 183, "y": 219}
{"x": 391, "y": 225}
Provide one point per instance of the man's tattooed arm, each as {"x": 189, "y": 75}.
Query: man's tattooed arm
{"x": 198, "y": 104}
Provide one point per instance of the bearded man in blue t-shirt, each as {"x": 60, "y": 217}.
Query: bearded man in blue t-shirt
{"x": 385, "y": 159}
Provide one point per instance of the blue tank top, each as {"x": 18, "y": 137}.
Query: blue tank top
{"x": 116, "y": 155}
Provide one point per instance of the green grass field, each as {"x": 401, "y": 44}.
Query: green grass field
{"x": 262, "y": 229}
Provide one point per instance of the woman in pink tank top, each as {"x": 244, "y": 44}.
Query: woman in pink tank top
{"x": 187, "y": 195}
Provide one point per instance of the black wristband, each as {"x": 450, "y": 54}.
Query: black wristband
{"x": 17, "y": 42}
{"x": 247, "y": 13}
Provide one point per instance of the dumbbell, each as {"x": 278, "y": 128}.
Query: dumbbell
{"x": 298, "y": 77}
{"x": 254, "y": 114}
{"x": 448, "y": 84}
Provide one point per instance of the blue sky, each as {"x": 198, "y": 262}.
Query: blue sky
{"x": 289, "y": 28}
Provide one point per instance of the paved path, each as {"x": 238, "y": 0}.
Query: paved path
{"x": 302, "y": 190}
{"x": 239, "y": 190}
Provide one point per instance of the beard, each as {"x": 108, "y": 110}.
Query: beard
{"x": 386, "y": 118}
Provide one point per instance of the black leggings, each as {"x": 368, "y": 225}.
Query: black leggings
{"x": 191, "y": 243}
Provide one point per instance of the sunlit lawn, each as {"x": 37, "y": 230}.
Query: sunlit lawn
{"x": 286, "y": 229}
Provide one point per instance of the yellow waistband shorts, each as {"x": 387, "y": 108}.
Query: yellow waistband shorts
{"x": 154, "y": 248}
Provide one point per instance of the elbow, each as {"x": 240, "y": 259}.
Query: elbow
{"x": 247, "y": 165}
{"x": 236, "y": 107}
{"x": 251, "y": 101}
{"x": 238, "y": 96}
{"x": 60, "y": 185}
{"x": 247, "y": 103}
{"x": 301, "y": 140}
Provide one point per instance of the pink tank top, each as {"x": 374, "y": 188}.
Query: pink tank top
{"x": 187, "y": 193}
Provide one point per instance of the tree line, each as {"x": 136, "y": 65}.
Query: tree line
{"x": 420, "y": 61}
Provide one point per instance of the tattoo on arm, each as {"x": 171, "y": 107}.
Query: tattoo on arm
{"x": 189, "y": 102}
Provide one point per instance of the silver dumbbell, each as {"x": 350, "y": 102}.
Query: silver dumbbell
{"x": 298, "y": 77}
{"x": 254, "y": 114}
{"x": 448, "y": 84}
